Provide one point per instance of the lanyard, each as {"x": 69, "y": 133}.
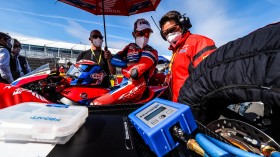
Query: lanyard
{"x": 168, "y": 77}
{"x": 98, "y": 61}
{"x": 171, "y": 61}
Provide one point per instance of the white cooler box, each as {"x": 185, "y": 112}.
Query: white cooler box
{"x": 39, "y": 122}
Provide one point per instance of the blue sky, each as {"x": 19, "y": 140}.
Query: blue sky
{"x": 221, "y": 20}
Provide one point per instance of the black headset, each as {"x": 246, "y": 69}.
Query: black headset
{"x": 184, "y": 23}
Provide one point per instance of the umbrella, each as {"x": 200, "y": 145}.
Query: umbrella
{"x": 114, "y": 7}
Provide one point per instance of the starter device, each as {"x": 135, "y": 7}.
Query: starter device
{"x": 154, "y": 122}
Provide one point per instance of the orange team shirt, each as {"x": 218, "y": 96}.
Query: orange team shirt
{"x": 188, "y": 53}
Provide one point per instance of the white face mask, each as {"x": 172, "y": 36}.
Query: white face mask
{"x": 141, "y": 41}
{"x": 97, "y": 42}
{"x": 172, "y": 38}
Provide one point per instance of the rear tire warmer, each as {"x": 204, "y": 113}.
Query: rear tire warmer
{"x": 243, "y": 70}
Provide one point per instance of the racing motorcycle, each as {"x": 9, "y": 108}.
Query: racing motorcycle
{"x": 79, "y": 86}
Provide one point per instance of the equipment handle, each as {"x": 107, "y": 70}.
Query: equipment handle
{"x": 193, "y": 145}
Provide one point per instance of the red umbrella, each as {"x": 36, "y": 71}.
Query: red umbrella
{"x": 114, "y": 7}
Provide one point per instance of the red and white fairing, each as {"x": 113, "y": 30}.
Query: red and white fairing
{"x": 11, "y": 95}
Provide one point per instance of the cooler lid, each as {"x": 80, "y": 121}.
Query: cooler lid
{"x": 32, "y": 121}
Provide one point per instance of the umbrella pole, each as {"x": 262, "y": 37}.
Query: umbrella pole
{"x": 104, "y": 24}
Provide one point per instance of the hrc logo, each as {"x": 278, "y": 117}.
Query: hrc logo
{"x": 144, "y": 22}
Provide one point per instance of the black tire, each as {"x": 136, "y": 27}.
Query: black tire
{"x": 247, "y": 69}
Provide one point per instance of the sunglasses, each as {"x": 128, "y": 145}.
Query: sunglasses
{"x": 97, "y": 36}
{"x": 171, "y": 29}
{"x": 145, "y": 33}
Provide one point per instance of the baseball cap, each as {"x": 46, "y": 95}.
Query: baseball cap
{"x": 94, "y": 32}
{"x": 142, "y": 24}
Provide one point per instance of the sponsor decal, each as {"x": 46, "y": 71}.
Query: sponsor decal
{"x": 128, "y": 142}
{"x": 131, "y": 53}
{"x": 8, "y": 86}
{"x": 83, "y": 95}
{"x": 150, "y": 110}
{"x": 125, "y": 70}
{"x": 45, "y": 118}
{"x": 126, "y": 130}
{"x": 108, "y": 5}
{"x": 20, "y": 90}
{"x": 144, "y": 22}
{"x": 184, "y": 49}
{"x": 38, "y": 96}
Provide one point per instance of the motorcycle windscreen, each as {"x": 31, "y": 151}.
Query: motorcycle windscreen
{"x": 74, "y": 72}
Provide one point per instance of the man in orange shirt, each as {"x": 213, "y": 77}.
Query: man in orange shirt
{"x": 188, "y": 49}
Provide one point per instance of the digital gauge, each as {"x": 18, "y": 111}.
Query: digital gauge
{"x": 155, "y": 113}
{"x": 154, "y": 120}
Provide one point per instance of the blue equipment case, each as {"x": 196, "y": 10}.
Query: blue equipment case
{"x": 154, "y": 121}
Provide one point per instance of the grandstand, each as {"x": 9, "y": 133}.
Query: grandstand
{"x": 41, "y": 51}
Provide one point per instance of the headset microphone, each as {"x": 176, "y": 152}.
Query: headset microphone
{"x": 159, "y": 29}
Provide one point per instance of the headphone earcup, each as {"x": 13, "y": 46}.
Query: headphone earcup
{"x": 185, "y": 22}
